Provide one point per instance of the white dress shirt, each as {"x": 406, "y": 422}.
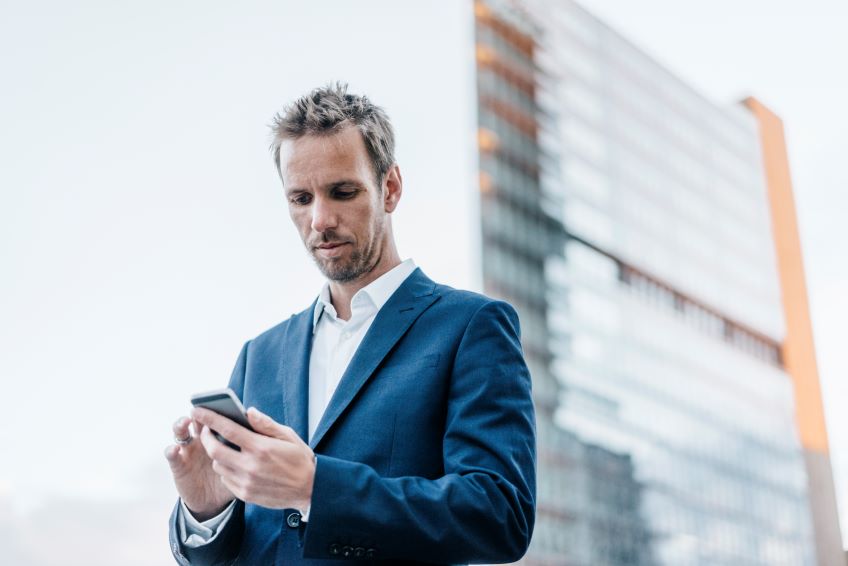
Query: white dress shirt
{"x": 334, "y": 342}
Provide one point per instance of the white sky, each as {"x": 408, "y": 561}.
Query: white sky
{"x": 143, "y": 236}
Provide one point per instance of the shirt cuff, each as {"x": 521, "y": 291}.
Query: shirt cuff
{"x": 304, "y": 513}
{"x": 194, "y": 533}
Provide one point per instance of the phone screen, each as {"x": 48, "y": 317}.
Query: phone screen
{"x": 225, "y": 403}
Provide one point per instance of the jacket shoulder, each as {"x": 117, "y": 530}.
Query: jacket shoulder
{"x": 274, "y": 335}
{"x": 468, "y": 302}
{"x": 463, "y": 307}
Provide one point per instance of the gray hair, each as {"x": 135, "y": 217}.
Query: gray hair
{"x": 327, "y": 110}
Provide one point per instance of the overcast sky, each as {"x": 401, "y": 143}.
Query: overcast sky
{"x": 144, "y": 236}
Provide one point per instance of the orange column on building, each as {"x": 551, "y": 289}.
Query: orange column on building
{"x": 798, "y": 348}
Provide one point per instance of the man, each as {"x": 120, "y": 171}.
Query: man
{"x": 393, "y": 418}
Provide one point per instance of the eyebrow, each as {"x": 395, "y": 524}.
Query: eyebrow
{"x": 331, "y": 186}
{"x": 344, "y": 182}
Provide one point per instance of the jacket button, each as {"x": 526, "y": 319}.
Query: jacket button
{"x": 358, "y": 552}
{"x": 347, "y": 551}
{"x": 334, "y": 549}
{"x": 369, "y": 553}
{"x": 293, "y": 520}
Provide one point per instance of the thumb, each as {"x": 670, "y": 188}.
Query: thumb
{"x": 263, "y": 424}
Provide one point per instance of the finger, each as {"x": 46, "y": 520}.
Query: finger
{"x": 223, "y": 470}
{"x": 230, "y": 430}
{"x": 217, "y": 450}
{"x": 171, "y": 452}
{"x": 175, "y": 461}
{"x": 196, "y": 427}
{"x": 180, "y": 427}
{"x": 263, "y": 424}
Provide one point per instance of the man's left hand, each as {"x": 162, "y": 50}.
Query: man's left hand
{"x": 274, "y": 469}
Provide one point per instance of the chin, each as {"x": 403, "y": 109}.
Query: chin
{"x": 335, "y": 270}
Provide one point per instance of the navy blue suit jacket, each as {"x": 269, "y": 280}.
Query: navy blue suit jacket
{"x": 425, "y": 454}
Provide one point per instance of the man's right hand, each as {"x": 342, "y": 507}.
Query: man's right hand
{"x": 197, "y": 483}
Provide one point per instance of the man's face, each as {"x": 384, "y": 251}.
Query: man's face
{"x": 334, "y": 202}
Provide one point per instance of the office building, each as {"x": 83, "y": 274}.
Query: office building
{"x": 647, "y": 237}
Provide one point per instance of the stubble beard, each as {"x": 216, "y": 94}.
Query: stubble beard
{"x": 359, "y": 263}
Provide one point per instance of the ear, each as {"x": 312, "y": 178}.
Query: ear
{"x": 392, "y": 188}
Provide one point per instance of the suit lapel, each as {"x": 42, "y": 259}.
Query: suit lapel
{"x": 411, "y": 299}
{"x": 293, "y": 373}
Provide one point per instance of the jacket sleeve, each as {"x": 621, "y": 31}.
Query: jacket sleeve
{"x": 221, "y": 551}
{"x": 483, "y": 508}
{"x": 225, "y": 547}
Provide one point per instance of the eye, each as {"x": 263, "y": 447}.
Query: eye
{"x": 300, "y": 199}
{"x": 344, "y": 191}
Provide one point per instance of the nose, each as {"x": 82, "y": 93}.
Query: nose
{"x": 324, "y": 215}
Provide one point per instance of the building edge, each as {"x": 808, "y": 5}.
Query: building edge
{"x": 798, "y": 348}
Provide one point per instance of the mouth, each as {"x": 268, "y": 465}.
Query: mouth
{"x": 330, "y": 249}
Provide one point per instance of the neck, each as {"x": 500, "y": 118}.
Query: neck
{"x": 341, "y": 294}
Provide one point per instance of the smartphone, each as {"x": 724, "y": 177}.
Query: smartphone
{"x": 225, "y": 403}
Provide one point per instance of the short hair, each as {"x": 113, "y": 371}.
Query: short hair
{"x": 327, "y": 110}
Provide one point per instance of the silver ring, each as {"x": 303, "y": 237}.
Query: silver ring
{"x": 184, "y": 441}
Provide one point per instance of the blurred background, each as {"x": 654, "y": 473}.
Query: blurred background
{"x": 618, "y": 170}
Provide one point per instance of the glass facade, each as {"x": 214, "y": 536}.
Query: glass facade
{"x": 626, "y": 218}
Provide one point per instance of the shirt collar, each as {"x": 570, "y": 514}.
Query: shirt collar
{"x": 377, "y": 293}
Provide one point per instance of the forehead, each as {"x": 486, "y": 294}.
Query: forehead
{"x": 321, "y": 159}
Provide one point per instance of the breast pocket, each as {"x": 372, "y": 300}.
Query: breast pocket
{"x": 401, "y": 381}
{"x": 406, "y": 386}
{"x": 411, "y": 365}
